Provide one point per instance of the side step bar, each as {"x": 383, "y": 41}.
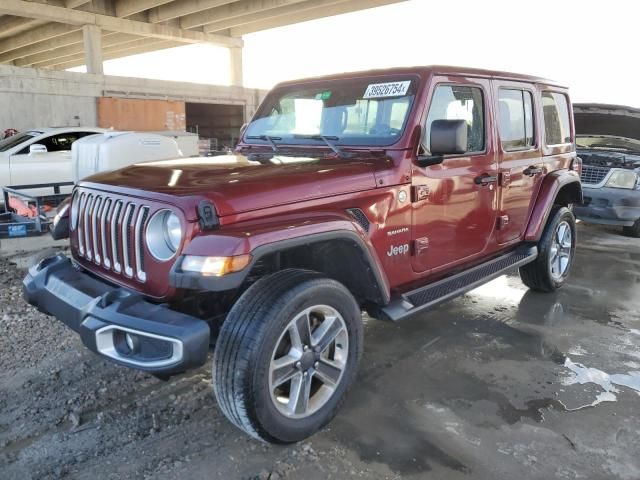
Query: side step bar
{"x": 436, "y": 293}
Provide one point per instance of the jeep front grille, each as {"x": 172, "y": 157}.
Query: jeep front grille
{"x": 110, "y": 233}
{"x": 593, "y": 175}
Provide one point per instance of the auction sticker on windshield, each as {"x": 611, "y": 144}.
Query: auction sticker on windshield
{"x": 323, "y": 95}
{"x": 390, "y": 89}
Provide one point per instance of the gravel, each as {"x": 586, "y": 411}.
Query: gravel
{"x": 65, "y": 412}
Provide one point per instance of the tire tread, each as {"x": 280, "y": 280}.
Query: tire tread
{"x": 535, "y": 275}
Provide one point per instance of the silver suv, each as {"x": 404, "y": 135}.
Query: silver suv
{"x": 608, "y": 142}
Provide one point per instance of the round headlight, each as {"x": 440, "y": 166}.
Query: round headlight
{"x": 164, "y": 235}
{"x": 174, "y": 231}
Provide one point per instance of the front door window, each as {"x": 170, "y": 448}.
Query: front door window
{"x": 453, "y": 102}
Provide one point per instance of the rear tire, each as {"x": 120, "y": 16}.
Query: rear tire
{"x": 275, "y": 379}
{"x": 633, "y": 230}
{"x": 556, "y": 250}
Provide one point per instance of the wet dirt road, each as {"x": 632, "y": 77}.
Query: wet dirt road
{"x": 501, "y": 383}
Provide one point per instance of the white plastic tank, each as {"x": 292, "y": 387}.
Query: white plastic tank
{"x": 187, "y": 141}
{"x": 113, "y": 150}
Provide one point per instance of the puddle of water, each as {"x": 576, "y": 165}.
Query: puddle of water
{"x": 500, "y": 289}
{"x": 534, "y": 409}
{"x": 631, "y": 380}
{"x": 397, "y": 440}
{"x": 578, "y": 351}
{"x": 583, "y": 375}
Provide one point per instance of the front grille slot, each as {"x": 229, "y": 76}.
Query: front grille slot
{"x": 593, "y": 175}
{"x": 110, "y": 233}
{"x": 115, "y": 244}
{"x": 97, "y": 205}
{"x": 87, "y": 226}
{"x": 137, "y": 243}
{"x": 106, "y": 211}
{"x": 126, "y": 239}
{"x": 81, "y": 200}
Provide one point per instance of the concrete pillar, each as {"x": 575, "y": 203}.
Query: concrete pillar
{"x": 235, "y": 67}
{"x": 92, "y": 37}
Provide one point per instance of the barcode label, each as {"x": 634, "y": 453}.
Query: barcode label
{"x": 391, "y": 89}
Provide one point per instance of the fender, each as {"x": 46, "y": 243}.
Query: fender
{"x": 561, "y": 185}
{"x": 277, "y": 234}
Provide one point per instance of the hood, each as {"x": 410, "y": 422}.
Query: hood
{"x": 234, "y": 184}
{"x": 609, "y": 120}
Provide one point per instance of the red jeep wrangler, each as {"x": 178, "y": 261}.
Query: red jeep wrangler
{"x": 387, "y": 191}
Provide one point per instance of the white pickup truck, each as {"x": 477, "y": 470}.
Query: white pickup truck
{"x": 46, "y": 156}
{"x": 40, "y": 156}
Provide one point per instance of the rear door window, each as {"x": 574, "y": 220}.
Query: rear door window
{"x": 515, "y": 119}
{"x": 458, "y": 102}
{"x": 557, "y": 127}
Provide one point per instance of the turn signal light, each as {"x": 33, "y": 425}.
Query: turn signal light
{"x": 214, "y": 266}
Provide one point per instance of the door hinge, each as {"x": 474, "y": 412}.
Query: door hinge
{"x": 419, "y": 193}
{"x": 503, "y": 221}
{"x": 505, "y": 179}
{"x": 421, "y": 245}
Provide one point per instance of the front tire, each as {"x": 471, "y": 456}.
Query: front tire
{"x": 633, "y": 230}
{"x": 286, "y": 355}
{"x": 556, "y": 250}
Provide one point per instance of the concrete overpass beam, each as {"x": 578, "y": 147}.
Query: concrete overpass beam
{"x": 92, "y": 38}
{"x": 235, "y": 67}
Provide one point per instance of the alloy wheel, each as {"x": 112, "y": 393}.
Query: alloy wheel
{"x": 308, "y": 361}
{"x": 561, "y": 251}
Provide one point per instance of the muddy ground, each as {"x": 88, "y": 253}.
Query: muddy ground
{"x": 501, "y": 383}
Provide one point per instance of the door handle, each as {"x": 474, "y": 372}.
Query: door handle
{"x": 485, "y": 179}
{"x": 532, "y": 171}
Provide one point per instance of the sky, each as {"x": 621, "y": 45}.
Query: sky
{"x": 589, "y": 45}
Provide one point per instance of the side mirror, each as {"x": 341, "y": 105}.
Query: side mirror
{"x": 37, "y": 148}
{"x": 448, "y": 137}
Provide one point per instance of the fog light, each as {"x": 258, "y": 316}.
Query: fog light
{"x": 130, "y": 341}
{"x": 126, "y": 343}
{"x": 139, "y": 349}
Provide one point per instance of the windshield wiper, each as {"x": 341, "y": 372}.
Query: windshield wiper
{"x": 328, "y": 139}
{"x": 266, "y": 138}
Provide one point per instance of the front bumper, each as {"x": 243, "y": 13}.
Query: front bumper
{"x": 115, "y": 322}
{"x": 609, "y": 206}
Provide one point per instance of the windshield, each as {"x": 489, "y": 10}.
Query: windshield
{"x": 607, "y": 142}
{"x": 355, "y": 112}
{"x": 16, "y": 139}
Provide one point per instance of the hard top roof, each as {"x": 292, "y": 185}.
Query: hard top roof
{"x": 429, "y": 70}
